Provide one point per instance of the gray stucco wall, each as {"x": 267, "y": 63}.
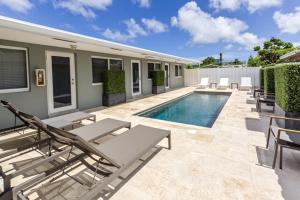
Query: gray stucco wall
{"x": 176, "y": 82}
{"x": 35, "y": 102}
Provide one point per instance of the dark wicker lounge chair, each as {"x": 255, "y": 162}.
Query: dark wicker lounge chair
{"x": 284, "y": 138}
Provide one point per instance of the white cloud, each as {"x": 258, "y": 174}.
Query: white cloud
{"x": 133, "y": 30}
{"x": 22, "y": 6}
{"x": 288, "y": 22}
{"x": 83, "y": 7}
{"x": 116, "y": 35}
{"x": 228, "y": 47}
{"x": 154, "y": 25}
{"x": 251, "y": 5}
{"x": 143, "y": 3}
{"x": 203, "y": 28}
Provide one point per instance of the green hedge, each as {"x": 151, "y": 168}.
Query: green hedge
{"x": 269, "y": 80}
{"x": 113, "y": 82}
{"x": 287, "y": 86}
{"x": 262, "y": 78}
{"x": 158, "y": 78}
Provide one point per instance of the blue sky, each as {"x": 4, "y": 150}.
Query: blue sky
{"x": 193, "y": 29}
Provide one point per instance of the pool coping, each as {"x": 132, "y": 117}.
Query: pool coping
{"x": 139, "y": 113}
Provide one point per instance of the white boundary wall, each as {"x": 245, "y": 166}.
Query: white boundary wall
{"x": 192, "y": 77}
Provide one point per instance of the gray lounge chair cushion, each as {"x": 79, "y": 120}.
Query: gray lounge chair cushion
{"x": 72, "y": 117}
{"x": 134, "y": 143}
{"x": 99, "y": 129}
{"x": 290, "y": 137}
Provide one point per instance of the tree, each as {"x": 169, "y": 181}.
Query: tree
{"x": 272, "y": 49}
{"x": 236, "y": 62}
{"x": 208, "y": 61}
{"x": 254, "y": 62}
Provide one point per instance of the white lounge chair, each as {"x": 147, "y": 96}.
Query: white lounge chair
{"x": 224, "y": 83}
{"x": 204, "y": 82}
{"x": 246, "y": 83}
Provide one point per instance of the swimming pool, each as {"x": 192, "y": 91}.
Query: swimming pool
{"x": 201, "y": 109}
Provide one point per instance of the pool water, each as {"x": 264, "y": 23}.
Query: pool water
{"x": 201, "y": 109}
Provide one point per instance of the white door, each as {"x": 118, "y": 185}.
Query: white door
{"x": 167, "y": 76}
{"x": 61, "y": 81}
{"x": 136, "y": 77}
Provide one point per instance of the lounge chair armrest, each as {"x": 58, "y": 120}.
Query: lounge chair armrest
{"x": 289, "y": 130}
{"x": 281, "y": 117}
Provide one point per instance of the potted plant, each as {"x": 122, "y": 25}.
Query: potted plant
{"x": 158, "y": 82}
{"x": 114, "y": 91}
{"x": 287, "y": 91}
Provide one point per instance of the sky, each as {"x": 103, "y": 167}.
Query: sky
{"x": 191, "y": 29}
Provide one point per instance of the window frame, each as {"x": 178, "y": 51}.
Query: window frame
{"x": 15, "y": 90}
{"x": 180, "y": 72}
{"x": 154, "y": 67}
{"x": 108, "y": 67}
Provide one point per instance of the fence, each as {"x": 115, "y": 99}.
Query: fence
{"x": 193, "y": 76}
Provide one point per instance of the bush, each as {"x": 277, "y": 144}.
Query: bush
{"x": 261, "y": 76}
{"x": 269, "y": 82}
{"x": 158, "y": 78}
{"x": 288, "y": 87}
{"x": 113, "y": 82}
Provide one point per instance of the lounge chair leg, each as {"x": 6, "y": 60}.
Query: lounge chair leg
{"x": 275, "y": 154}
{"x": 169, "y": 142}
{"x": 268, "y": 138}
{"x": 281, "y": 156}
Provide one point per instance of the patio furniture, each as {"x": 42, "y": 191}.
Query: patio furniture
{"x": 284, "y": 138}
{"x": 246, "y": 83}
{"x": 63, "y": 121}
{"x": 236, "y": 85}
{"x": 213, "y": 83}
{"x": 267, "y": 99}
{"x": 111, "y": 157}
{"x": 259, "y": 90}
{"x": 88, "y": 133}
{"x": 224, "y": 83}
{"x": 204, "y": 82}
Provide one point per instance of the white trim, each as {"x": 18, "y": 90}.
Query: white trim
{"x": 140, "y": 82}
{"x": 73, "y": 105}
{"x": 180, "y": 74}
{"x": 108, "y": 67}
{"x": 150, "y": 79}
{"x": 26, "y": 27}
{"x": 15, "y": 90}
{"x": 167, "y": 75}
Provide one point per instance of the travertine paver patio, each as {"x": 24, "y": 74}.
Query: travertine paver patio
{"x": 227, "y": 161}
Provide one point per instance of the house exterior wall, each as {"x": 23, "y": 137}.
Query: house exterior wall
{"x": 176, "y": 82}
{"x": 35, "y": 100}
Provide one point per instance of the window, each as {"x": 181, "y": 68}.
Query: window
{"x": 116, "y": 64}
{"x": 100, "y": 65}
{"x": 178, "y": 70}
{"x": 153, "y": 67}
{"x": 13, "y": 69}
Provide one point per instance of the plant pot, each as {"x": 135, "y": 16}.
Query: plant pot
{"x": 158, "y": 89}
{"x": 114, "y": 99}
{"x": 288, "y": 123}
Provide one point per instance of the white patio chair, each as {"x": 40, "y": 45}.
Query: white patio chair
{"x": 246, "y": 83}
{"x": 224, "y": 83}
{"x": 204, "y": 82}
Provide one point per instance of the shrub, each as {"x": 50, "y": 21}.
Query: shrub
{"x": 261, "y": 76}
{"x": 269, "y": 82}
{"x": 113, "y": 82}
{"x": 288, "y": 86}
{"x": 158, "y": 78}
